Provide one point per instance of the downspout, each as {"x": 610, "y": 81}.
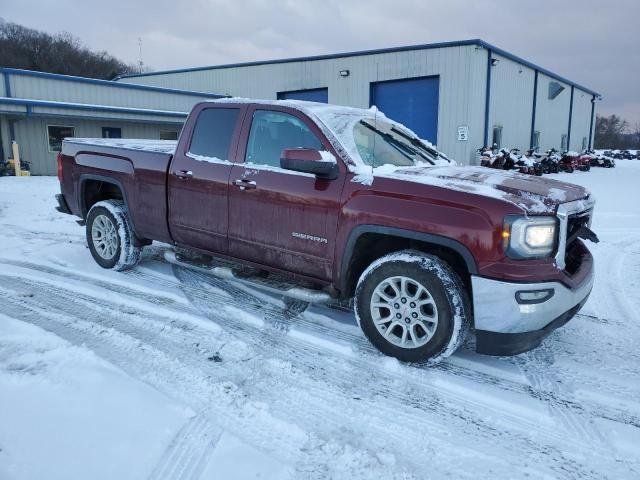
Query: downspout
{"x": 487, "y": 100}
{"x": 7, "y": 85}
{"x": 570, "y": 115}
{"x": 593, "y": 111}
{"x": 533, "y": 110}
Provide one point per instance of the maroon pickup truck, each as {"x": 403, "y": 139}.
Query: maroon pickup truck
{"x": 321, "y": 202}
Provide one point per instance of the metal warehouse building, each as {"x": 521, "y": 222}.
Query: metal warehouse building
{"x": 39, "y": 109}
{"x": 459, "y": 95}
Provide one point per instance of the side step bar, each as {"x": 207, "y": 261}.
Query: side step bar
{"x": 225, "y": 273}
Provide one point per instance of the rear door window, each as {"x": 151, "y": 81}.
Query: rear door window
{"x": 272, "y": 132}
{"x": 213, "y": 132}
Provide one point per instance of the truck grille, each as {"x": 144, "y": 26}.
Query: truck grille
{"x": 571, "y": 216}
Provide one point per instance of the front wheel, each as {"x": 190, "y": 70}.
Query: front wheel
{"x": 412, "y": 306}
{"x": 110, "y": 237}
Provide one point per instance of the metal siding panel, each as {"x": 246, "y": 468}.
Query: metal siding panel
{"x": 43, "y": 88}
{"x": 581, "y": 119}
{"x": 552, "y": 116}
{"x": 511, "y": 102}
{"x": 4, "y": 135}
{"x": 31, "y": 134}
{"x": 460, "y": 69}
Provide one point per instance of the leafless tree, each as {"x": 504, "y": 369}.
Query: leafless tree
{"x": 22, "y": 47}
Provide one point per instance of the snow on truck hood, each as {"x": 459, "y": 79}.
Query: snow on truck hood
{"x": 534, "y": 195}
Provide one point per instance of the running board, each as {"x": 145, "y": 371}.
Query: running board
{"x": 277, "y": 288}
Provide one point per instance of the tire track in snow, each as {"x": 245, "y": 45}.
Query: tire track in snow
{"x": 220, "y": 402}
{"x": 189, "y": 452}
{"x": 289, "y": 399}
{"x": 568, "y": 413}
{"x": 465, "y": 419}
{"x": 226, "y": 292}
{"x": 207, "y": 298}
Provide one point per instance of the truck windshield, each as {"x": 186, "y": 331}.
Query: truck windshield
{"x": 383, "y": 143}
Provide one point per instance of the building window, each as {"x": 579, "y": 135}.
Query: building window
{"x": 56, "y": 134}
{"x": 168, "y": 135}
{"x": 496, "y": 143}
{"x": 584, "y": 143}
{"x": 536, "y": 140}
{"x": 111, "y": 132}
{"x": 563, "y": 143}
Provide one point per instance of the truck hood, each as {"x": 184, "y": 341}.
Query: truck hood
{"x": 534, "y": 195}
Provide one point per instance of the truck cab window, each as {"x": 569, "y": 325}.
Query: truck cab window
{"x": 213, "y": 131}
{"x": 272, "y": 132}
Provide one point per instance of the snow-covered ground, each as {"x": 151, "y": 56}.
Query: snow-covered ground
{"x": 165, "y": 373}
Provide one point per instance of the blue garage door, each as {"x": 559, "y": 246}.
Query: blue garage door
{"x": 412, "y": 102}
{"x": 314, "y": 95}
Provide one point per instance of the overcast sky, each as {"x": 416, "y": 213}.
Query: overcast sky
{"x": 596, "y": 44}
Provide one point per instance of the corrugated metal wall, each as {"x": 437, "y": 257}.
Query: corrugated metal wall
{"x": 31, "y": 133}
{"x": 511, "y": 102}
{"x": 64, "y": 90}
{"x": 461, "y": 70}
{"x": 4, "y": 137}
{"x": 552, "y": 116}
{"x": 580, "y": 120}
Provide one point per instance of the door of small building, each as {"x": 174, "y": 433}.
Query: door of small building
{"x": 320, "y": 95}
{"x": 412, "y": 102}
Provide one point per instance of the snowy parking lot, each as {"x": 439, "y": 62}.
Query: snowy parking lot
{"x": 166, "y": 373}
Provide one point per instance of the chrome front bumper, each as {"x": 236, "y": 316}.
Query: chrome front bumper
{"x": 496, "y": 308}
{"x": 506, "y": 326}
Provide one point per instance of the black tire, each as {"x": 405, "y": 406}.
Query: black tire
{"x": 123, "y": 253}
{"x": 443, "y": 286}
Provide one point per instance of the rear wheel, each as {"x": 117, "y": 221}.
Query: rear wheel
{"x": 412, "y": 306}
{"x": 110, "y": 236}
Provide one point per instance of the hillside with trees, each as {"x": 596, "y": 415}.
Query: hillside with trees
{"x": 26, "y": 48}
{"x": 614, "y": 132}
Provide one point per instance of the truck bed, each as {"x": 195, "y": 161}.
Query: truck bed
{"x": 139, "y": 166}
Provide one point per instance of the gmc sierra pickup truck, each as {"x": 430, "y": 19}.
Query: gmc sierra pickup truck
{"x": 322, "y": 202}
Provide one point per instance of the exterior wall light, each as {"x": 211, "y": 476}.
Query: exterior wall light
{"x": 494, "y": 62}
{"x": 344, "y": 73}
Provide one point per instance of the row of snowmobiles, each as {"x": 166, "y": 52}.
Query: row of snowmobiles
{"x": 622, "y": 154}
{"x": 534, "y": 163}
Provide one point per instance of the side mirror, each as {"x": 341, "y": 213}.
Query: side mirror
{"x": 321, "y": 164}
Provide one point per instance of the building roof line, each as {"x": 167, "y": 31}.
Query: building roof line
{"x": 426, "y": 46}
{"x": 106, "y": 83}
{"x": 28, "y": 103}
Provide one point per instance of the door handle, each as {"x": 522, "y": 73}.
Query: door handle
{"x": 245, "y": 184}
{"x": 183, "y": 174}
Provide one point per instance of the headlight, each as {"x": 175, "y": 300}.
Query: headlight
{"x": 530, "y": 237}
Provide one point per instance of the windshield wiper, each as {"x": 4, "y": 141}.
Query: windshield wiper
{"x": 405, "y": 150}
{"x": 418, "y": 143}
